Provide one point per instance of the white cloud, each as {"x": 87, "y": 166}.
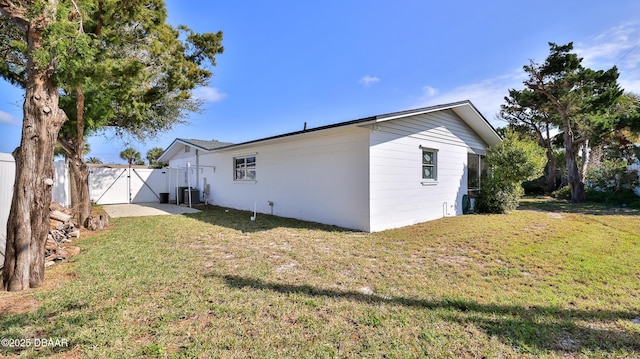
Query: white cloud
{"x": 8, "y": 119}
{"x": 486, "y": 95}
{"x": 209, "y": 94}
{"x": 612, "y": 46}
{"x": 429, "y": 91}
{"x": 619, "y": 46}
{"x": 368, "y": 80}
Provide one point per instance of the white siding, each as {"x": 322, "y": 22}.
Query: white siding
{"x": 320, "y": 176}
{"x": 398, "y": 197}
{"x": 200, "y": 171}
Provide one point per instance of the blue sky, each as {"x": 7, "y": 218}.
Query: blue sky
{"x": 291, "y": 62}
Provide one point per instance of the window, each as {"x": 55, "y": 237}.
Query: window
{"x": 187, "y": 149}
{"x": 245, "y": 168}
{"x": 476, "y": 168}
{"x": 429, "y": 164}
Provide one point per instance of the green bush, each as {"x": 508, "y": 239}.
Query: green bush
{"x": 623, "y": 197}
{"x": 562, "y": 193}
{"x": 511, "y": 162}
{"x": 498, "y": 198}
{"x": 611, "y": 176}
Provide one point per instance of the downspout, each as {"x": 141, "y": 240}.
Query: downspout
{"x": 197, "y": 168}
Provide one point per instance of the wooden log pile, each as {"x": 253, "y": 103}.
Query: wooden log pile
{"x": 61, "y": 233}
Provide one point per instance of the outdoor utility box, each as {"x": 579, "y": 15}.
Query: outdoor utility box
{"x": 195, "y": 195}
{"x": 180, "y": 194}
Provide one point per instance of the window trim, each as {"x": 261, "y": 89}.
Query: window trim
{"x": 245, "y": 168}
{"x": 434, "y": 166}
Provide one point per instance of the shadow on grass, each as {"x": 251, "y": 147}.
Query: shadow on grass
{"x": 550, "y": 204}
{"x": 524, "y": 328}
{"x": 241, "y": 220}
{"x": 44, "y": 339}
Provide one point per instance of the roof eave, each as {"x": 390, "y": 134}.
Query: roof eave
{"x": 464, "y": 109}
{"x": 171, "y": 150}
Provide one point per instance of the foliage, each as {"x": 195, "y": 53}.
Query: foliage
{"x": 153, "y": 155}
{"x": 512, "y": 161}
{"x": 94, "y": 160}
{"x": 612, "y": 176}
{"x": 130, "y": 155}
{"x": 562, "y": 193}
{"x": 144, "y": 71}
{"x": 561, "y": 94}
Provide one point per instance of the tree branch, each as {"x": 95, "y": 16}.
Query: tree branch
{"x": 17, "y": 14}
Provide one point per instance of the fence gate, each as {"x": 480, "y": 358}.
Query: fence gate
{"x": 126, "y": 185}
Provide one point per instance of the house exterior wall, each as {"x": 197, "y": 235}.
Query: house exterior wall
{"x": 398, "y": 196}
{"x": 320, "y": 176}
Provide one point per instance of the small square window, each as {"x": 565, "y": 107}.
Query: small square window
{"x": 245, "y": 168}
{"x": 429, "y": 164}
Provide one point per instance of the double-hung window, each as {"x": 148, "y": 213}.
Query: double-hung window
{"x": 245, "y": 168}
{"x": 429, "y": 165}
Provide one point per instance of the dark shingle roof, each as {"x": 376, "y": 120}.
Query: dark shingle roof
{"x": 205, "y": 145}
{"x": 217, "y": 145}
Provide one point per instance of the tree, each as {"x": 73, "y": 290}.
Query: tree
{"x": 576, "y": 95}
{"x": 138, "y": 79}
{"x": 527, "y": 113}
{"x": 512, "y": 161}
{"x": 130, "y": 155}
{"x": 139, "y": 85}
{"x": 94, "y": 160}
{"x": 153, "y": 155}
{"x": 39, "y": 36}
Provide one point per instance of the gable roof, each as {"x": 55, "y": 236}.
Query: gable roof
{"x": 464, "y": 109}
{"x": 203, "y": 145}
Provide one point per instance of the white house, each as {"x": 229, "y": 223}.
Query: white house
{"x": 369, "y": 174}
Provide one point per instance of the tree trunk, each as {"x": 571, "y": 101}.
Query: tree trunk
{"x": 78, "y": 164}
{"x": 80, "y": 187}
{"x": 28, "y": 223}
{"x": 551, "y": 163}
{"x": 550, "y": 177}
{"x": 575, "y": 182}
{"x": 586, "y": 159}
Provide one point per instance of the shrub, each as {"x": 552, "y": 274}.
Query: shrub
{"x": 611, "y": 176}
{"x": 512, "y": 161}
{"x": 562, "y": 193}
{"x": 498, "y": 198}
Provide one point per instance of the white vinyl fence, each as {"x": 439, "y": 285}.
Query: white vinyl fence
{"x": 60, "y": 194}
{"x": 7, "y": 174}
{"x": 107, "y": 185}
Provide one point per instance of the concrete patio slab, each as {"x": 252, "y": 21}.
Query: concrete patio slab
{"x": 145, "y": 209}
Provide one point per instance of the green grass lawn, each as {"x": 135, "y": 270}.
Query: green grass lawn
{"x": 534, "y": 283}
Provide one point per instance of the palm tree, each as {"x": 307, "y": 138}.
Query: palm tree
{"x": 94, "y": 160}
{"x": 130, "y": 155}
{"x": 153, "y": 155}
